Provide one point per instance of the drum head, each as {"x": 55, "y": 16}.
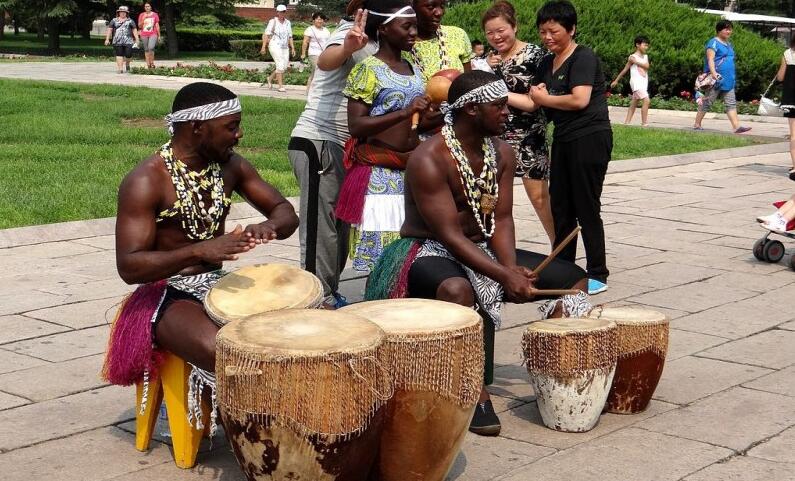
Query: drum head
{"x": 415, "y": 316}
{"x": 569, "y": 325}
{"x": 262, "y": 288}
{"x": 301, "y": 333}
{"x": 628, "y": 315}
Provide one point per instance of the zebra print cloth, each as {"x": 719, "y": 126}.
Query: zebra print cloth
{"x": 203, "y": 112}
{"x": 488, "y": 292}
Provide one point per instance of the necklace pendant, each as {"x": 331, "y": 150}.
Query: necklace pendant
{"x": 488, "y": 203}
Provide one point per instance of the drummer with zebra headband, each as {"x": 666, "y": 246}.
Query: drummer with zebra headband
{"x": 170, "y": 238}
{"x": 458, "y": 243}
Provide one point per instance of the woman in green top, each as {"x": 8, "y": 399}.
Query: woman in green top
{"x": 438, "y": 47}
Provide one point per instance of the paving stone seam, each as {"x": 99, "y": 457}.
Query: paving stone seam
{"x": 69, "y": 329}
{"x": 75, "y": 433}
{"x": 740, "y": 385}
{"x": 720, "y": 461}
{"x": 4, "y": 348}
{"x": 751, "y": 388}
{"x": 71, "y": 393}
{"x": 29, "y": 313}
{"x": 30, "y": 401}
{"x": 734, "y": 452}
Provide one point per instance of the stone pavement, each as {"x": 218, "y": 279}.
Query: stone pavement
{"x": 679, "y": 235}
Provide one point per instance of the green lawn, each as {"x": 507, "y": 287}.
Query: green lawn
{"x": 65, "y": 147}
{"x": 94, "y": 49}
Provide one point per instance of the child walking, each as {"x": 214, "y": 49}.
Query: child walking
{"x": 638, "y": 67}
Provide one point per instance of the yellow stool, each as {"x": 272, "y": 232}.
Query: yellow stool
{"x": 172, "y": 384}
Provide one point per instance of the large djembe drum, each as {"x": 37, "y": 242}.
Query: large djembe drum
{"x": 642, "y": 347}
{"x": 262, "y": 288}
{"x": 434, "y": 351}
{"x": 301, "y": 394}
{"x": 571, "y": 363}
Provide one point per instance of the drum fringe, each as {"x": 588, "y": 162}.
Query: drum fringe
{"x": 321, "y": 395}
{"x": 570, "y": 354}
{"x": 638, "y": 338}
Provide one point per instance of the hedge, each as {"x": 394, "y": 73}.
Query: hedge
{"x": 677, "y": 33}
{"x": 192, "y": 39}
{"x": 250, "y": 49}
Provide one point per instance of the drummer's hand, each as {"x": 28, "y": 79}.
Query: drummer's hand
{"x": 517, "y": 286}
{"x": 225, "y": 247}
{"x": 530, "y": 275}
{"x": 261, "y": 233}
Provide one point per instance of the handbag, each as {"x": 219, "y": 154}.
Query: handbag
{"x": 705, "y": 82}
{"x": 769, "y": 107}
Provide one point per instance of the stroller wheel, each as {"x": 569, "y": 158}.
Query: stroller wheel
{"x": 792, "y": 262}
{"x": 758, "y": 249}
{"x": 773, "y": 251}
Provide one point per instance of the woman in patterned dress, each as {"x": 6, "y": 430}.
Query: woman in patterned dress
{"x": 516, "y": 63}
{"x": 383, "y": 91}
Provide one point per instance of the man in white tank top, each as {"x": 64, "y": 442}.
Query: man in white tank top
{"x": 638, "y": 67}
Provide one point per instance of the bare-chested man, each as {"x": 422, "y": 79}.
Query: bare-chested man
{"x": 170, "y": 232}
{"x": 459, "y": 187}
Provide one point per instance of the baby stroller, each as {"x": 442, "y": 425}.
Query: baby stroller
{"x": 772, "y": 250}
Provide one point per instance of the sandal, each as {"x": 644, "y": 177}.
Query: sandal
{"x": 792, "y": 174}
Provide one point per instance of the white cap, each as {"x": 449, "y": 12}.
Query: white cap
{"x": 123, "y": 9}
{"x": 281, "y": 8}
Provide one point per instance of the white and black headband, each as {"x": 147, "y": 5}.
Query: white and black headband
{"x": 203, "y": 112}
{"x": 405, "y": 12}
{"x": 481, "y": 95}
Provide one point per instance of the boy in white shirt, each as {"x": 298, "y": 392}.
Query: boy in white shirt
{"x": 638, "y": 67}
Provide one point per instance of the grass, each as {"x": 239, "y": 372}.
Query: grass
{"x": 92, "y": 50}
{"x": 65, "y": 147}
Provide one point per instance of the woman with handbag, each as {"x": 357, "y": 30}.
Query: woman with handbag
{"x": 719, "y": 64}
{"x": 786, "y": 75}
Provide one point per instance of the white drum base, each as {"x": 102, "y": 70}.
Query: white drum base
{"x": 575, "y": 405}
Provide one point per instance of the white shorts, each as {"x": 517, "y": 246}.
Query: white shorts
{"x": 281, "y": 57}
{"x": 640, "y": 94}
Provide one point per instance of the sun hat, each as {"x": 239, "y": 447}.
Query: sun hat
{"x": 123, "y": 9}
{"x": 281, "y": 8}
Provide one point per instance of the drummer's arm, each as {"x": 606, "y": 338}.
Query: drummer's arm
{"x": 503, "y": 242}
{"x": 137, "y": 260}
{"x": 282, "y": 220}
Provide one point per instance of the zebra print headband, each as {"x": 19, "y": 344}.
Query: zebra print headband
{"x": 203, "y": 112}
{"x": 482, "y": 95}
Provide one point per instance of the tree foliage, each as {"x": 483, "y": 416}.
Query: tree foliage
{"x": 677, "y": 34}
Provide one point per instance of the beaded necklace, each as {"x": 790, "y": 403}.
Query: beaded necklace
{"x": 481, "y": 191}
{"x": 198, "y": 222}
{"x": 445, "y": 60}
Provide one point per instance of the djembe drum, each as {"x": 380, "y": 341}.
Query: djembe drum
{"x": 434, "y": 350}
{"x": 642, "y": 346}
{"x": 571, "y": 363}
{"x": 262, "y": 288}
{"x": 301, "y": 394}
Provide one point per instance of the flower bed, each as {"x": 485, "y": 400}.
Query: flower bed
{"x": 684, "y": 102}
{"x": 215, "y": 71}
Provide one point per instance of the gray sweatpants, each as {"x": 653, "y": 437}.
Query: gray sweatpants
{"x": 317, "y": 165}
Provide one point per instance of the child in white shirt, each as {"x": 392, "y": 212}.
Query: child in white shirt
{"x": 638, "y": 67}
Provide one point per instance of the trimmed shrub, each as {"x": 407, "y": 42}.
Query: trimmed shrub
{"x": 250, "y": 49}
{"x": 677, "y": 33}
{"x": 206, "y": 39}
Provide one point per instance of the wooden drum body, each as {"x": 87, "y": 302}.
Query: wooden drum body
{"x": 262, "y": 288}
{"x": 434, "y": 350}
{"x": 302, "y": 394}
{"x": 571, "y": 363}
{"x": 642, "y": 347}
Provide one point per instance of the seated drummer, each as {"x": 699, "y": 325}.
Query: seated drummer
{"x": 458, "y": 243}
{"x": 170, "y": 236}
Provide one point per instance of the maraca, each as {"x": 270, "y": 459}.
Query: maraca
{"x": 436, "y": 89}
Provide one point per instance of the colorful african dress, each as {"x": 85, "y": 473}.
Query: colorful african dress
{"x": 382, "y": 213}
{"x": 450, "y": 49}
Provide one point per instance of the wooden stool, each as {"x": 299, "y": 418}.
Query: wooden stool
{"x": 172, "y": 384}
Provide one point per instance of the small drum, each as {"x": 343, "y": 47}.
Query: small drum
{"x": 571, "y": 363}
{"x": 642, "y": 346}
{"x": 434, "y": 350}
{"x": 301, "y": 394}
{"x": 262, "y": 288}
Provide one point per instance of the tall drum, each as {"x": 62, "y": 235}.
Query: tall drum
{"x": 301, "y": 394}
{"x": 571, "y": 363}
{"x": 434, "y": 350}
{"x": 642, "y": 347}
{"x": 262, "y": 288}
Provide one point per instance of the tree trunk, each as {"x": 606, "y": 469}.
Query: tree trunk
{"x": 16, "y": 24}
{"x": 2, "y": 24}
{"x": 171, "y": 30}
{"x": 54, "y": 36}
{"x": 41, "y": 28}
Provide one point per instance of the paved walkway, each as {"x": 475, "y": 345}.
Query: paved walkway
{"x": 679, "y": 234}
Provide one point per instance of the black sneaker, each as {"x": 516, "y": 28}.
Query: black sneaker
{"x": 485, "y": 421}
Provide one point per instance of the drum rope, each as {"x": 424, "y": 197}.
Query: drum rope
{"x": 389, "y": 380}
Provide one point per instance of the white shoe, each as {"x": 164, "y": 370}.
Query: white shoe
{"x": 778, "y": 223}
{"x": 764, "y": 219}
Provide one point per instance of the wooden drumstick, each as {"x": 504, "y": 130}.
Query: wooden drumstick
{"x": 555, "y": 292}
{"x": 556, "y": 251}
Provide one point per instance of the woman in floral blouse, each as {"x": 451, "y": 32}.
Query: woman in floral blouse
{"x": 516, "y": 63}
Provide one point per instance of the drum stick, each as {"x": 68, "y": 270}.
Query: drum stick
{"x": 415, "y": 120}
{"x": 557, "y": 250}
{"x": 555, "y": 292}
